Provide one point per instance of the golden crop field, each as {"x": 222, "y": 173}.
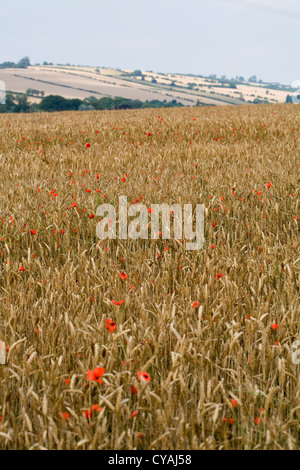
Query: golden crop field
{"x": 140, "y": 344}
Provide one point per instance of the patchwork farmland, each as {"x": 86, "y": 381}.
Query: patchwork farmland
{"x": 83, "y": 82}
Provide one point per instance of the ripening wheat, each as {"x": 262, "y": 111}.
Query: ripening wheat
{"x": 140, "y": 344}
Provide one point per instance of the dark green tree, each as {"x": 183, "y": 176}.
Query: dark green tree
{"x": 22, "y": 104}
{"x": 23, "y": 63}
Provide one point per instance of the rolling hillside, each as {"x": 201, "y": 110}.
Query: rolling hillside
{"x": 83, "y": 82}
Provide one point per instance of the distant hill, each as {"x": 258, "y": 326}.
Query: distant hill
{"x": 189, "y": 90}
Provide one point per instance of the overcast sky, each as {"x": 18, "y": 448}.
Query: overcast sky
{"x": 189, "y": 36}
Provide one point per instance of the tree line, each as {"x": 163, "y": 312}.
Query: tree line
{"x": 22, "y": 64}
{"x": 18, "y": 103}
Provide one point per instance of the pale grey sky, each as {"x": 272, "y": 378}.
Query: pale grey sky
{"x": 190, "y": 36}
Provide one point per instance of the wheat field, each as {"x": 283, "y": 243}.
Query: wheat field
{"x": 141, "y": 344}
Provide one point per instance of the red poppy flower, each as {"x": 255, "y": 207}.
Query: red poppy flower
{"x": 123, "y": 276}
{"x": 144, "y": 377}
{"x": 118, "y": 304}
{"x": 269, "y": 185}
{"x": 275, "y": 326}
{"x": 195, "y": 305}
{"x": 65, "y": 415}
{"x": 88, "y": 145}
{"x": 89, "y": 414}
{"x": 33, "y": 232}
{"x": 111, "y": 325}
{"x": 95, "y": 375}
